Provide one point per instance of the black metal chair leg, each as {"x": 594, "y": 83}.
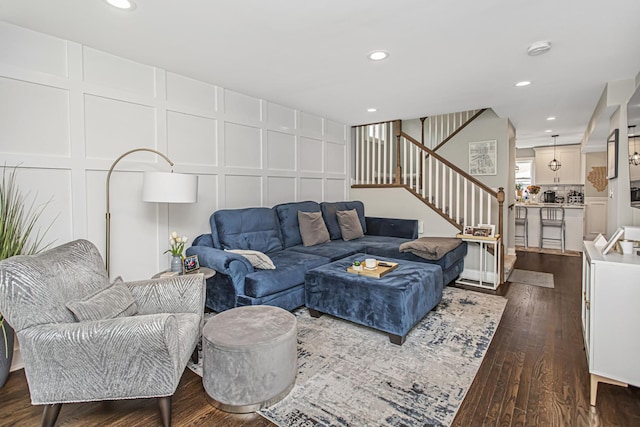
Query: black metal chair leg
{"x": 50, "y": 414}
{"x": 165, "y": 410}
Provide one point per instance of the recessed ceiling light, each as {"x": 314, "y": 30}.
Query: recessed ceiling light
{"x": 378, "y": 55}
{"x": 548, "y": 131}
{"x": 523, "y": 83}
{"x": 372, "y": 110}
{"x": 122, "y": 4}
{"x": 551, "y": 118}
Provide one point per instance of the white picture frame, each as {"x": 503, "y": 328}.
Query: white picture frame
{"x": 612, "y": 241}
{"x": 483, "y": 157}
{"x": 491, "y": 227}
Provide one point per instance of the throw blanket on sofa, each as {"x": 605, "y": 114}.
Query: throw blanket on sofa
{"x": 431, "y": 248}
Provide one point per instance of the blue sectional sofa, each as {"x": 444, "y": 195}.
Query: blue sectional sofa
{"x": 275, "y": 232}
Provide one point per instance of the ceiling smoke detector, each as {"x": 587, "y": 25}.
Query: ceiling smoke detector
{"x": 538, "y": 48}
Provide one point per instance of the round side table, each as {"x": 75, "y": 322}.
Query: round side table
{"x": 208, "y": 272}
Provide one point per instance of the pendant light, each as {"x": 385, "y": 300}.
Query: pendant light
{"x": 634, "y": 159}
{"x": 554, "y": 164}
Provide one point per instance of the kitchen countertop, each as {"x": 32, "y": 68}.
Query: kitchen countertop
{"x": 543, "y": 205}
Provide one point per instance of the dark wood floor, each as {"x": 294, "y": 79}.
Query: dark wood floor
{"x": 534, "y": 373}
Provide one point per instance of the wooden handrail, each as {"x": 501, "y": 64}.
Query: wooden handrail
{"x": 455, "y": 132}
{"x": 449, "y": 164}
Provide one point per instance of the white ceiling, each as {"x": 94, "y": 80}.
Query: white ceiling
{"x": 445, "y": 56}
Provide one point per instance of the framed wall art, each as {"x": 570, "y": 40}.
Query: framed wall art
{"x": 483, "y": 157}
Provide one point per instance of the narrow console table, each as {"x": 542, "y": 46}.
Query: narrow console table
{"x": 487, "y": 275}
{"x": 610, "y": 317}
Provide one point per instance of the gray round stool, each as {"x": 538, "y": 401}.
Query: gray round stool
{"x": 250, "y": 357}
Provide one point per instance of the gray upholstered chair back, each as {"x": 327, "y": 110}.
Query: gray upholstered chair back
{"x": 34, "y": 289}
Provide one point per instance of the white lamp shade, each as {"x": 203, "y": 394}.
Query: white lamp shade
{"x": 169, "y": 187}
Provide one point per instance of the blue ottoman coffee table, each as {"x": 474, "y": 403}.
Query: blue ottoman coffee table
{"x": 394, "y": 303}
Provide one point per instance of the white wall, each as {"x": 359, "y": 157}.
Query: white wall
{"x": 67, "y": 111}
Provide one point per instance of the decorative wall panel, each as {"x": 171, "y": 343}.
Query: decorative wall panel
{"x": 34, "y": 119}
{"x": 311, "y": 189}
{"x": 335, "y": 190}
{"x": 281, "y": 151}
{"x": 242, "y": 146}
{"x": 134, "y": 224}
{"x": 46, "y": 54}
{"x": 191, "y": 139}
{"x": 243, "y": 191}
{"x": 310, "y": 125}
{"x": 118, "y": 73}
{"x": 280, "y": 118}
{"x": 183, "y": 91}
{"x": 311, "y": 155}
{"x": 336, "y": 155}
{"x": 280, "y": 190}
{"x": 53, "y": 189}
{"x": 113, "y": 127}
{"x": 191, "y": 220}
{"x": 336, "y": 131}
{"x": 241, "y": 108}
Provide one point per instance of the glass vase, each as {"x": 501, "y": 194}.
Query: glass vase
{"x": 176, "y": 263}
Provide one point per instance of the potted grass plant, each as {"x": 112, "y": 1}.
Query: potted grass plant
{"x": 19, "y": 214}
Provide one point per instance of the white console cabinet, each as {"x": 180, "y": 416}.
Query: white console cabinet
{"x": 611, "y": 317}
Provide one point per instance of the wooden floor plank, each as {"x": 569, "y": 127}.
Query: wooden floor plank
{"x": 534, "y": 373}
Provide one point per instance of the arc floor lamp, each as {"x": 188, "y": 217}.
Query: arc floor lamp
{"x": 160, "y": 187}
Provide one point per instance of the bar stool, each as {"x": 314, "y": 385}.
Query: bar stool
{"x": 521, "y": 219}
{"x": 552, "y": 217}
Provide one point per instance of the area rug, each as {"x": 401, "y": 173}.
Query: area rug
{"x": 534, "y": 278}
{"x": 349, "y": 375}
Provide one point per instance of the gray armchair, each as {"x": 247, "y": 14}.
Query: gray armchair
{"x": 78, "y": 339}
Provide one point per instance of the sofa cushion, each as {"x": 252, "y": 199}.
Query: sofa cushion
{"x": 329, "y": 210}
{"x": 251, "y": 228}
{"x": 350, "y": 227}
{"x": 108, "y": 303}
{"x": 256, "y": 258}
{"x": 288, "y": 217}
{"x": 290, "y": 269}
{"x": 312, "y": 228}
{"x": 333, "y": 250}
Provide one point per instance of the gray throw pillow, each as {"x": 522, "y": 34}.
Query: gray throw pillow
{"x": 312, "y": 228}
{"x": 108, "y": 303}
{"x": 350, "y": 226}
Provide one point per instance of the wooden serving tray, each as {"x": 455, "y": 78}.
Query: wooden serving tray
{"x": 377, "y": 273}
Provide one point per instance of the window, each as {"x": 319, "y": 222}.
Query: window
{"x": 524, "y": 172}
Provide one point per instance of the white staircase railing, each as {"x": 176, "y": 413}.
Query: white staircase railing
{"x": 385, "y": 156}
{"x": 439, "y": 129}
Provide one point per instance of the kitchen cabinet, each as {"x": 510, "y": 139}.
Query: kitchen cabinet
{"x": 610, "y": 317}
{"x": 569, "y": 173}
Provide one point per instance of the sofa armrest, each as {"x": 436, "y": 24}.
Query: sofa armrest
{"x": 233, "y": 265}
{"x": 179, "y": 294}
{"x": 97, "y": 360}
{"x": 219, "y": 260}
{"x": 392, "y": 227}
